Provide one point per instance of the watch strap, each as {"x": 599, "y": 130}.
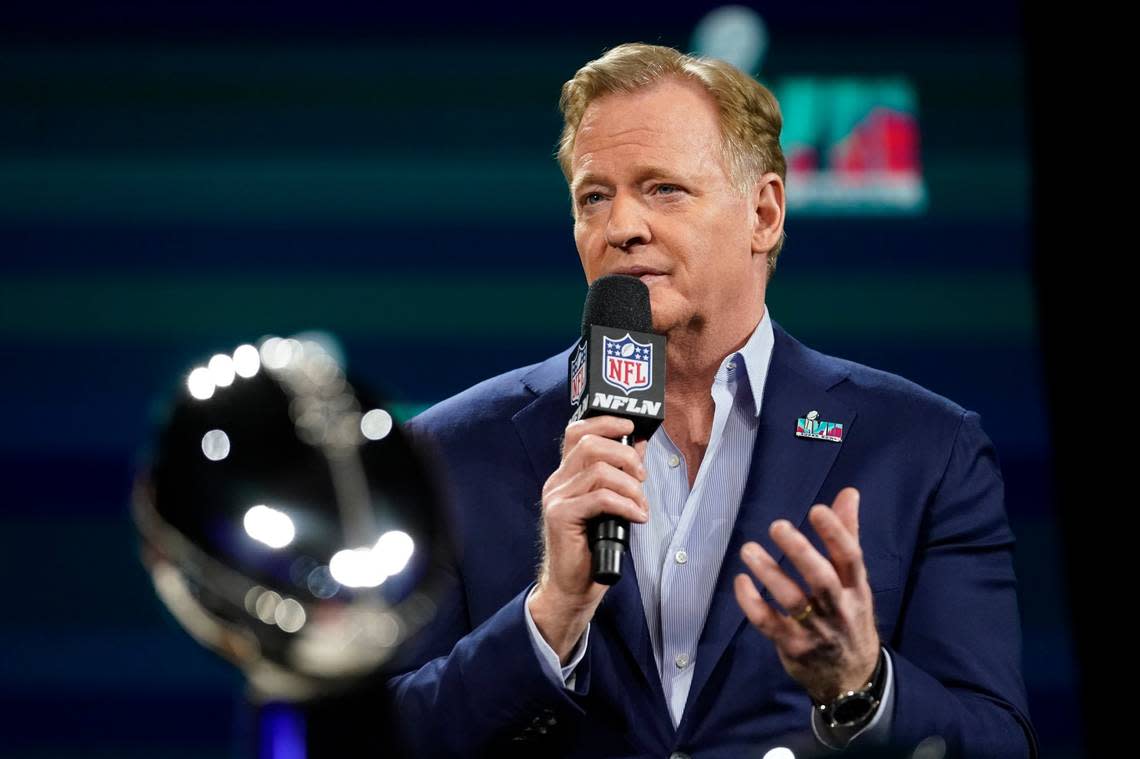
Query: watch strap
{"x": 855, "y": 708}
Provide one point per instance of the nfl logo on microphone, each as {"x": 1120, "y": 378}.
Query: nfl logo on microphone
{"x": 629, "y": 364}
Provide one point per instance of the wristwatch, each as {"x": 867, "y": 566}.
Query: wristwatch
{"x": 854, "y": 708}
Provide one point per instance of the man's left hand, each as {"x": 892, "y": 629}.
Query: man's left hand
{"x": 827, "y": 642}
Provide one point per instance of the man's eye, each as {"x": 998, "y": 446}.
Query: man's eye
{"x": 591, "y": 198}
{"x": 667, "y": 189}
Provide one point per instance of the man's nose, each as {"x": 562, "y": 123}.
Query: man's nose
{"x": 626, "y": 225}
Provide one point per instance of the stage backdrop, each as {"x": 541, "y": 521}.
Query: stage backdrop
{"x": 175, "y": 182}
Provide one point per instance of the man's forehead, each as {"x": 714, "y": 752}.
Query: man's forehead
{"x": 673, "y": 88}
{"x": 652, "y": 131}
{"x": 645, "y": 115}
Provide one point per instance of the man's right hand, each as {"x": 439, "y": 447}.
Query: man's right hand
{"x": 598, "y": 475}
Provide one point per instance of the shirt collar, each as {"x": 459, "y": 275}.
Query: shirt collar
{"x": 752, "y": 359}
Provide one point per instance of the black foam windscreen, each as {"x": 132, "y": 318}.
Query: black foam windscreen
{"x": 618, "y": 301}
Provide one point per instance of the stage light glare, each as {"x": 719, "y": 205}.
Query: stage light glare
{"x": 247, "y": 362}
{"x": 276, "y": 353}
{"x": 376, "y": 424}
{"x": 272, "y": 527}
{"x": 780, "y": 753}
{"x": 221, "y": 369}
{"x": 393, "y": 550}
{"x": 216, "y": 445}
{"x": 266, "y": 606}
{"x": 321, "y": 583}
{"x": 289, "y": 615}
{"x": 201, "y": 383}
{"x": 358, "y": 568}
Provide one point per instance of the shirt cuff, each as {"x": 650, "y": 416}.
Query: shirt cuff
{"x": 875, "y": 732}
{"x": 563, "y": 676}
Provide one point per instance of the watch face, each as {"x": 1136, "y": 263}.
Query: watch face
{"x": 851, "y": 710}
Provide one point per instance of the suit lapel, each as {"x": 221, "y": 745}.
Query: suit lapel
{"x": 784, "y": 478}
{"x": 622, "y": 610}
{"x": 541, "y": 423}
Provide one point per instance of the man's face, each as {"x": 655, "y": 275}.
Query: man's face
{"x": 653, "y": 198}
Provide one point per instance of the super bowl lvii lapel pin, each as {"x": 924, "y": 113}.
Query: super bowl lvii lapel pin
{"x": 812, "y": 427}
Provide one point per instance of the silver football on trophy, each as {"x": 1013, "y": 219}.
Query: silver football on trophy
{"x": 287, "y": 522}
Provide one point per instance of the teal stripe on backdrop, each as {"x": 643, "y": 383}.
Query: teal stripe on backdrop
{"x": 204, "y": 190}
{"x": 378, "y": 188}
{"x": 979, "y": 308}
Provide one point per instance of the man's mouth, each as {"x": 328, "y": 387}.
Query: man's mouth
{"x": 646, "y": 274}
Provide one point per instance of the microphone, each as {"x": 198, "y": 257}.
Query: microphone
{"x": 617, "y": 368}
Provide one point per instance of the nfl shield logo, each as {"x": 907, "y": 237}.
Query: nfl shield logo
{"x": 629, "y": 364}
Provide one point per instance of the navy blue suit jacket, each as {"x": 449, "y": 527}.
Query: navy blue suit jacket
{"x": 934, "y": 533}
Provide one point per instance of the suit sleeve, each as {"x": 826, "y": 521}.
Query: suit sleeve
{"x": 464, "y": 692}
{"x": 957, "y": 650}
{"x": 489, "y": 688}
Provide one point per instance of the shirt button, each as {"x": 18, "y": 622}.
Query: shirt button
{"x": 681, "y": 661}
{"x": 674, "y": 461}
{"x": 681, "y": 557}
{"x": 731, "y": 365}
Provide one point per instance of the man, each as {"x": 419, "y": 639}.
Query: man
{"x": 888, "y": 617}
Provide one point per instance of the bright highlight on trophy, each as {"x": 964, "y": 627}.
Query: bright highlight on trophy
{"x": 287, "y": 522}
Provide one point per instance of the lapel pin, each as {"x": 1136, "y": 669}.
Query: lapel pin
{"x": 812, "y": 427}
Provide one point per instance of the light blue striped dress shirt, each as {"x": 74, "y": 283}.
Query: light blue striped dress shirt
{"x": 678, "y": 553}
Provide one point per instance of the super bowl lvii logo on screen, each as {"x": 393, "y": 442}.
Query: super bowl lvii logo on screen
{"x": 629, "y": 364}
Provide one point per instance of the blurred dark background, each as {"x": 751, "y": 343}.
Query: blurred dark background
{"x": 176, "y": 180}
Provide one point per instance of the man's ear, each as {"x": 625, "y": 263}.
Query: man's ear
{"x": 768, "y": 205}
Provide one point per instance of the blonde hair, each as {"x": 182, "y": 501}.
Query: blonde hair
{"x": 750, "y": 120}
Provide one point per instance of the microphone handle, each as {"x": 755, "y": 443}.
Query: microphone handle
{"x": 609, "y": 542}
